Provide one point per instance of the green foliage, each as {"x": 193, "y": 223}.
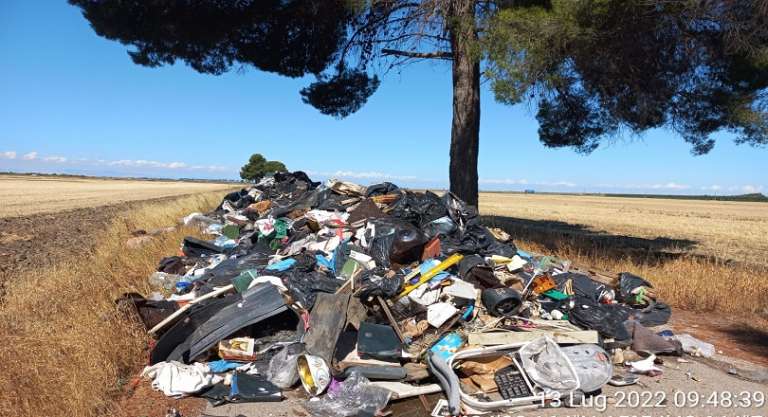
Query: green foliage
{"x": 342, "y": 94}
{"x": 591, "y": 69}
{"x": 596, "y": 67}
{"x": 258, "y": 166}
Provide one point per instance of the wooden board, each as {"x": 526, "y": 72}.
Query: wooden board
{"x": 504, "y": 338}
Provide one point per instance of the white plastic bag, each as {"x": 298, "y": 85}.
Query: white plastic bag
{"x": 694, "y": 346}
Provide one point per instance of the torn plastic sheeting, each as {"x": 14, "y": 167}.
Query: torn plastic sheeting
{"x": 224, "y": 272}
{"x": 195, "y": 247}
{"x": 354, "y": 396}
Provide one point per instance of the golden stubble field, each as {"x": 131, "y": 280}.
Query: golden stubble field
{"x": 736, "y": 231}
{"x": 25, "y": 194}
{"x": 703, "y": 256}
{"x": 70, "y": 352}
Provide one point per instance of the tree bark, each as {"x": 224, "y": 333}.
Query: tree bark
{"x": 465, "y": 128}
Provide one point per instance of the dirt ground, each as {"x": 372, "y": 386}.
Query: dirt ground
{"x": 23, "y": 195}
{"x": 40, "y": 240}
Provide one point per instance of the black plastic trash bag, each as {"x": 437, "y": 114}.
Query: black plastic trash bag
{"x": 228, "y": 269}
{"x": 656, "y": 314}
{"x": 627, "y": 283}
{"x": 295, "y": 176}
{"x": 440, "y": 226}
{"x": 373, "y": 283}
{"x": 474, "y": 270}
{"x": 172, "y": 265}
{"x": 461, "y": 213}
{"x": 244, "y": 388}
{"x": 583, "y": 285}
{"x": 475, "y": 239}
{"x": 418, "y": 208}
{"x": 304, "y": 286}
{"x": 607, "y": 319}
{"x": 381, "y": 189}
{"x": 395, "y": 240}
{"x": 194, "y": 247}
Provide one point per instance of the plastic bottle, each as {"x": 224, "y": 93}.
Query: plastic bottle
{"x": 163, "y": 280}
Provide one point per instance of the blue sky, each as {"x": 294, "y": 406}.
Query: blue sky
{"x": 74, "y": 102}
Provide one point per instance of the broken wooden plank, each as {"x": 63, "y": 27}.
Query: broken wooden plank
{"x": 505, "y": 338}
{"x": 402, "y": 390}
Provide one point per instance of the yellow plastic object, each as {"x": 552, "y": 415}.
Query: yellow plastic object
{"x": 500, "y": 260}
{"x": 449, "y": 262}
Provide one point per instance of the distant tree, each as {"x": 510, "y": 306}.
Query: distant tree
{"x": 258, "y": 166}
{"x": 590, "y": 69}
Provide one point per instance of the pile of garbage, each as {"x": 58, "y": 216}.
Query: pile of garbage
{"x": 367, "y": 295}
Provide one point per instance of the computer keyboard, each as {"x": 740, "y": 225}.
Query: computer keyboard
{"x": 511, "y": 383}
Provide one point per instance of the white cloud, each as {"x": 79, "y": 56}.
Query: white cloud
{"x": 749, "y": 189}
{"x": 8, "y": 155}
{"x": 510, "y": 181}
{"x": 713, "y": 187}
{"x": 56, "y": 159}
{"x": 670, "y": 186}
{"x": 143, "y": 163}
{"x": 663, "y": 186}
{"x": 559, "y": 184}
{"x": 29, "y": 156}
{"x": 367, "y": 175}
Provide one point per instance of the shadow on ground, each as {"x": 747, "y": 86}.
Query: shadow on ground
{"x": 745, "y": 335}
{"x": 555, "y": 235}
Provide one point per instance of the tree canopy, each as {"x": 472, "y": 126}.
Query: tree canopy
{"x": 596, "y": 67}
{"x": 258, "y": 166}
{"x": 590, "y": 69}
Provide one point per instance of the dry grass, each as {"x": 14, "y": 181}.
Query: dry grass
{"x": 722, "y": 229}
{"x": 24, "y": 195}
{"x": 66, "y": 349}
{"x": 662, "y": 240}
{"x": 65, "y": 346}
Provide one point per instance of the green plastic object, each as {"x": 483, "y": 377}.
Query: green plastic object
{"x": 555, "y": 294}
{"x": 350, "y": 268}
{"x": 231, "y": 231}
{"x": 242, "y": 281}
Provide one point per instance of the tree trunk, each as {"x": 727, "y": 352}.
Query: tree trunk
{"x": 465, "y": 128}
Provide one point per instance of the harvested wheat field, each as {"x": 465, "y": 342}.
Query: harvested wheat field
{"x": 27, "y": 194}
{"x": 727, "y": 230}
{"x": 68, "y": 348}
{"x": 702, "y": 255}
